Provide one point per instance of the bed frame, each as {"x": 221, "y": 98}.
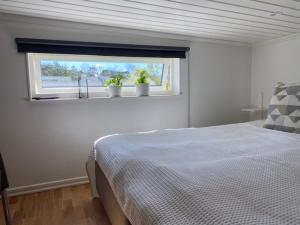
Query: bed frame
{"x": 108, "y": 199}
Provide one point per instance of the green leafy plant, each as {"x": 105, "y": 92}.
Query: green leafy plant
{"x": 115, "y": 80}
{"x": 142, "y": 76}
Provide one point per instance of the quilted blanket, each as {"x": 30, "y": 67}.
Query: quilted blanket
{"x": 235, "y": 174}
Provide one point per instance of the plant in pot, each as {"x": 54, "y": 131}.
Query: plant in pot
{"x": 141, "y": 83}
{"x": 114, "y": 85}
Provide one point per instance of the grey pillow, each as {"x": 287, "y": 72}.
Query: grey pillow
{"x": 284, "y": 108}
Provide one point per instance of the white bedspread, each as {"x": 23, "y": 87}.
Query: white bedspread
{"x": 234, "y": 174}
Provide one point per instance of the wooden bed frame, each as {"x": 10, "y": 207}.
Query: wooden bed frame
{"x": 108, "y": 199}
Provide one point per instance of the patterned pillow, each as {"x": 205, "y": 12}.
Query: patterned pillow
{"x": 284, "y": 108}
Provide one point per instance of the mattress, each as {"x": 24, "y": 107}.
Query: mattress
{"x": 231, "y": 174}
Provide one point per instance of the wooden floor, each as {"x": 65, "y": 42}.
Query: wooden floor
{"x": 64, "y": 206}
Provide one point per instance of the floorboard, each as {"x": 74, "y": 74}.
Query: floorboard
{"x": 64, "y": 206}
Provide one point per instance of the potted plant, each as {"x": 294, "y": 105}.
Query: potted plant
{"x": 114, "y": 85}
{"x": 141, "y": 83}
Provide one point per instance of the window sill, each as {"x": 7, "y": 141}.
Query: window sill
{"x": 106, "y": 98}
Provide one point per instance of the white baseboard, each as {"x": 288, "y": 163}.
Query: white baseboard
{"x": 46, "y": 186}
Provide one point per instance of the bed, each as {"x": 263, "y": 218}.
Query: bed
{"x": 230, "y": 174}
{"x": 237, "y": 174}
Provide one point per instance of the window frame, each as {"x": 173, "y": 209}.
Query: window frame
{"x": 170, "y": 68}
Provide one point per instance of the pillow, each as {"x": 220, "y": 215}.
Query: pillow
{"x": 284, "y": 108}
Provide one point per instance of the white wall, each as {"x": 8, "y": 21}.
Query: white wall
{"x": 220, "y": 83}
{"x": 274, "y": 61}
{"x": 49, "y": 141}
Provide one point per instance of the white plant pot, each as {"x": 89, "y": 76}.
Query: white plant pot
{"x": 114, "y": 91}
{"x": 142, "y": 90}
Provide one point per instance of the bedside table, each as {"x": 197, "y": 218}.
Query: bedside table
{"x": 255, "y": 113}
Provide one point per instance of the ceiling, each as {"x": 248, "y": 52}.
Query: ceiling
{"x": 246, "y": 21}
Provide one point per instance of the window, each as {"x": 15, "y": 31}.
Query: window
{"x": 64, "y": 76}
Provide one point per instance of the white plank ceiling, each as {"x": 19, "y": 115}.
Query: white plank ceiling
{"x": 235, "y": 20}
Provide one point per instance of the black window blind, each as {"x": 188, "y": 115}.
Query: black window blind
{"x": 26, "y": 45}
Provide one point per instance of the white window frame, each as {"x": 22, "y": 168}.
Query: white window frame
{"x": 171, "y": 68}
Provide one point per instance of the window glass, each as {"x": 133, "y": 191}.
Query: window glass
{"x": 59, "y": 73}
